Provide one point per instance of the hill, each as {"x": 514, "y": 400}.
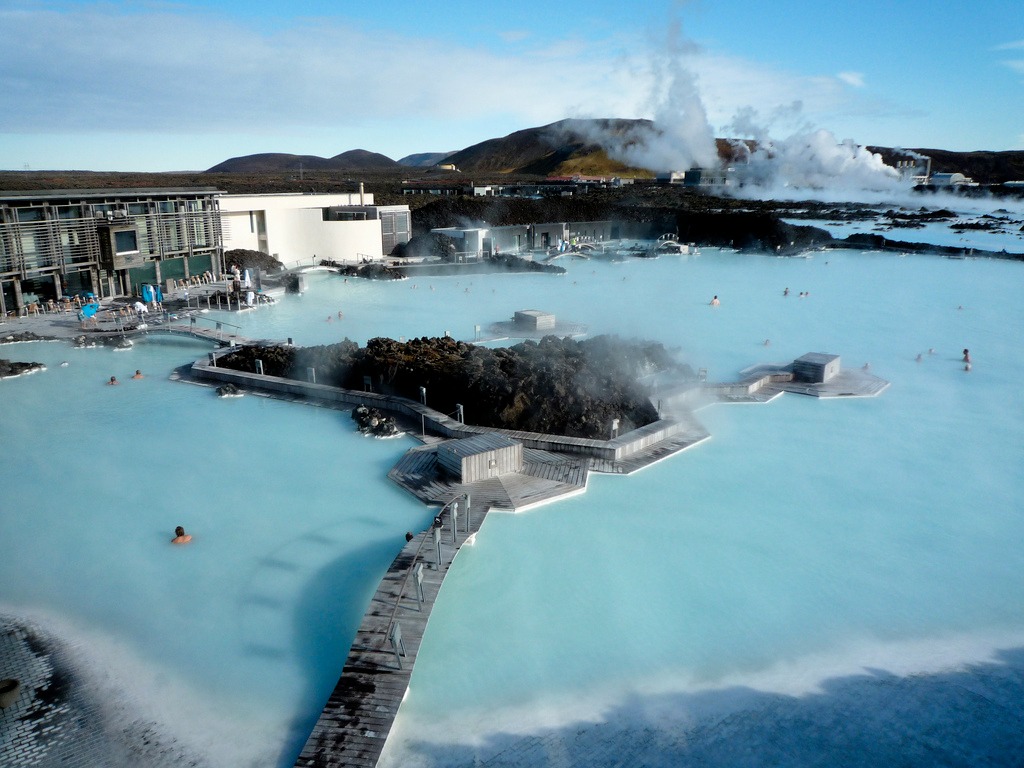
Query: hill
{"x": 562, "y": 148}
{"x": 424, "y": 159}
{"x": 354, "y": 160}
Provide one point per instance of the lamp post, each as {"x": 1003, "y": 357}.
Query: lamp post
{"x": 423, "y": 416}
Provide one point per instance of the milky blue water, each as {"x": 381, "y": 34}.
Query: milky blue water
{"x": 807, "y": 540}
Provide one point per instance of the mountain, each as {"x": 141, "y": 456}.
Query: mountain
{"x": 572, "y": 147}
{"x": 563, "y": 148}
{"x": 362, "y": 160}
{"x": 424, "y": 159}
{"x": 355, "y": 159}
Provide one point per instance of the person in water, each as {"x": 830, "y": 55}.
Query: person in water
{"x": 138, "y": 374}
{"x": 967, "y": 355}
{"x": 715, "y": 302}
{"x": 113, "y": 380}
{"x": 180, "y": 537}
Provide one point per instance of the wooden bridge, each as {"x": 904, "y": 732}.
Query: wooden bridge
{"x": 221, "y": 333}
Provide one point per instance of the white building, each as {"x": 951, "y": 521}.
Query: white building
{"x": 303, "y": 229}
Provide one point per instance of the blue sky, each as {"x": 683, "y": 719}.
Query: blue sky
{"x": 183, "y": 85}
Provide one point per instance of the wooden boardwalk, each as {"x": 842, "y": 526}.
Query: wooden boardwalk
{"x": 357, "y": 718}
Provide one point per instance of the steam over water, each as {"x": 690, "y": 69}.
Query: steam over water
{"x": 818, "y": 576}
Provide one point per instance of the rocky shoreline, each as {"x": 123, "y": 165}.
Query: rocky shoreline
{"x": 10, "y": 368}
{"x": 22, "y": 337}
{"x": 554, "y": 385}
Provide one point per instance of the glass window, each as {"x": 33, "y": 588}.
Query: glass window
{"x": 126, "y": 241}
{"x": 31, "y": 214}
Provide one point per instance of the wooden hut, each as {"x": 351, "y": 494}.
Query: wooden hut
{"x": 815, "y": 367}
{"x": 476, "y": 458}
{"x": 534, "y": 320}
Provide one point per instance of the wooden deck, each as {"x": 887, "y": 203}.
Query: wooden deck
{"x": 221, "y": 337}
{"x": 357, "y": 718}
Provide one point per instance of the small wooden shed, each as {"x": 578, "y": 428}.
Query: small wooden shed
{"x": 815, "y": 367}
{"x": 479, "y": 457}
{"x": 534, "y": 320}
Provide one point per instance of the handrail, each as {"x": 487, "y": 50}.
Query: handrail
{"x": 438, "y": 523}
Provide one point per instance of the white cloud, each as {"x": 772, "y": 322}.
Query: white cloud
{"x": 514, "y": 35}
{"x": 1017, "y": 65}
{"x": 98, "y": 69}
{"x": 1009, "y": 46}
{"x": 854, "y": 79}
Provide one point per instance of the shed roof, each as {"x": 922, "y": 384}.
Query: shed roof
{"x": 817, "y": 358}
{"x": 471, "y": 446}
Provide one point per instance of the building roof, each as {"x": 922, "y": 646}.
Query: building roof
{"x": 83, "y": 194}
{"x": 533, "y": 313}
{"x": 471, "y": 446}
{"x": 817, "y": 358}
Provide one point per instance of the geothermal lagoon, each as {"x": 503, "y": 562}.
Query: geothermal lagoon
{"x": 820, "y": 579}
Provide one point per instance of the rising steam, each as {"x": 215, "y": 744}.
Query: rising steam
{"x": 681, "y": 138}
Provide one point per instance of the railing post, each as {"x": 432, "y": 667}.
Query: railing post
{"x": 418, "y": 575}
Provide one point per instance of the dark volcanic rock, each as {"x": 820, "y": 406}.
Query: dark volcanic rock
{"x": 14, "y": 338}
{"x": 10, "y": 368}
{"x": 374, "y": 271}
{"x": 558, "y": 386}
{"x": 372, "y": 421}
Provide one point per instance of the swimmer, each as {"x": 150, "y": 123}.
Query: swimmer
{"x": 138, "y": 375}
{"x": 715, "y": 302}
{"x": 919, "y": 357}
{"x": 113, "y": 381}
{"x": 767, "y": 342}
{"x": 64, "y": 364}
{"x": 786, "y": 292}
{"x": 866, "y": 367}
{"x": 340, "y": 314}
{"x": 180, "y": 537}
{"x": 931, "y": 350}
{"x": 967, "y": 355}
{"x": 329, "y": 318}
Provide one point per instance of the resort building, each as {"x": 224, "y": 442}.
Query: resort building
{"x": 478, "y": 241}
{"x": 60, "y": 243}
{"x": 302, "y": 229}
{"x": 110, "y": 242}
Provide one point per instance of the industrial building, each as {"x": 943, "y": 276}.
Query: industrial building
{"x": 473, "y": 242}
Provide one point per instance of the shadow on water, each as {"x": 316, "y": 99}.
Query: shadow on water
{"x": 969, "y": 717}
{"x": 326, "y": 617}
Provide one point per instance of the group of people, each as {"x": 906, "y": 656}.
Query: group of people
{"x": 114, "y": 381}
